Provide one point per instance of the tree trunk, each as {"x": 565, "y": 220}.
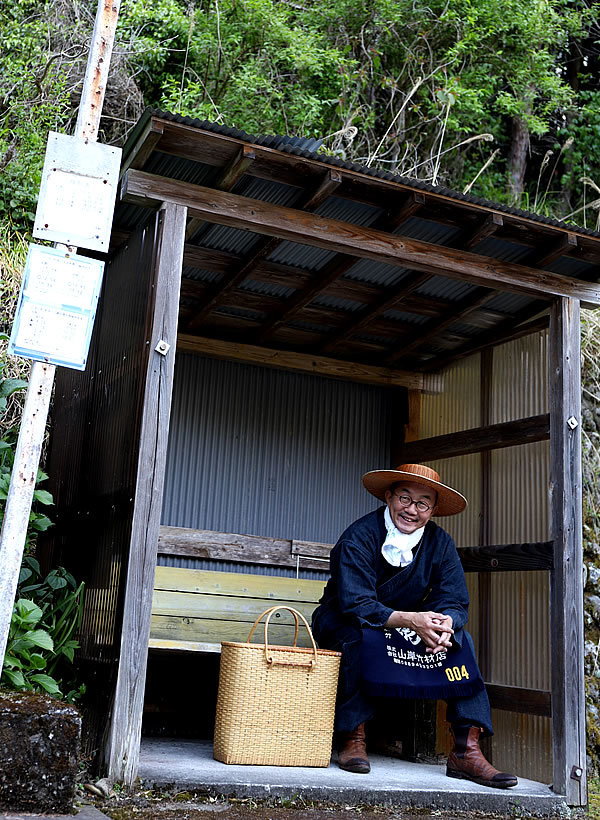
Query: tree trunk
{"x": 518, "y": 159}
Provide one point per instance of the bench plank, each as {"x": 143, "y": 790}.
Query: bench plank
{"x": 224, "y": 607}
{"x": 204, "y": 630}
{"x": 194, "y": 609}
{"x": 208, "y": 582}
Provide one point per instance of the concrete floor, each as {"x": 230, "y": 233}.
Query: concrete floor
{"x": 189, "y": 764}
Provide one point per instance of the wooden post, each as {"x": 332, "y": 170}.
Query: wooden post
{"x": 123, "y": 747}
{"x": 484, "y": 579}
{"x": 566, "y": 585}
{"x": 39, "y": 391}
{"x": 18, "y": 504}
{"x": 412, "y": 429}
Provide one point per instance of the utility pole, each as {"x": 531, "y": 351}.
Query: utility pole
{"x": 37, "y": 402}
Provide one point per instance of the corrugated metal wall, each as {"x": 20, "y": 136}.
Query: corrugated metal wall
{"x": 264, "y": 452}
{"x": 519, "y": 512}
{"x": 458, "y": 408}
{"x": 93, "y": 465}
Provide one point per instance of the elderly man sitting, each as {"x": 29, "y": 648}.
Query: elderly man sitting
{"x": 396, "y": 571}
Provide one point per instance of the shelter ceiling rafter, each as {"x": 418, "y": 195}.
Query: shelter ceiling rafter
{"x": 276, "y": 273}
{"x": 506, "y": 331}
{"x": 231, "y": 173}
{"x": 335, "y": 235}
{"x": 475, "y": 300}
{"x": 389, "y": 221}
{"x": 265, "y": 246}
{"x": 385, "y": 302}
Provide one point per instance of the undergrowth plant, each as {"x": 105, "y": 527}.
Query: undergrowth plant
{"x": 47, "y": 613}
{"x": 46, "y": 616}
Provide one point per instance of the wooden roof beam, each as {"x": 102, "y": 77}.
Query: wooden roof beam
{"x": 145, "y": 145}
{"x": 263, "y": 248}
{"x": 357, "y": 240}
{"x": 332, "y": 271}
{"x": 191, "y": 142}
{"x": 487, "y": 227}
{"x": 303, "y": 362}
{"x": 385, "y": 302}
{"x": 338, "y": 267}
{"x": 293, "y": 277}
{"x": 475, "y": 300}
{"x": 413, "y": 204}
{"x": 565, "y": 245}
{"x": 231, "y": 174}
{"x": 507, "y": 330}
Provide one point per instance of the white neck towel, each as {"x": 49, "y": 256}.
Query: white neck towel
{"x": 397, "y": 547}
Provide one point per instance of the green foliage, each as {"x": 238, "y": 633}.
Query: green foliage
{"x": 33, "y": 100}
{"x": 253, "y": 63}
{"x": 47, "y": 612}
{"x": 416, "y": 88}
{"x": 38, "y": 521}
{"x": 45, "y": 618}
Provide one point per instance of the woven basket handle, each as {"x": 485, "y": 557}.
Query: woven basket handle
{"x": 266, "y": 612}
{"x": 269, "y": 658}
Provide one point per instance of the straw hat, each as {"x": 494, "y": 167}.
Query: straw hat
{"x": 450, "y": 502}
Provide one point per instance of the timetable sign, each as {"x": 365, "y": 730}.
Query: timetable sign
{"x": 77, "y": 193}
{"x": 56, "y": 308}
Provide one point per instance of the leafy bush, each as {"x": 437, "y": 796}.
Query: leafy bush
{"x": 46, "y": 616}
{"x": 47, "y": 612}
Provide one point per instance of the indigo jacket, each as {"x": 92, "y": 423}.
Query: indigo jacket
{"x": 364, "y": 589}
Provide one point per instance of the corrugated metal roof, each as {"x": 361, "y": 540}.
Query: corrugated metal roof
{"x": 444, "y": 288}
{"x": 356, "y": 213}
{"x": 363, "y": 290}
{"x": 268, "y": 290}
{"x": 428, "y": 230}
{"x": 403, "y": 316}
{"x": 324, "y": 300}
{"x": 288, "y": 145}
{"x": 376, "y": 273}
{"x": 233, "y": 240}
{"x": 301, "y": 256}
{"x": 199, "y": 274}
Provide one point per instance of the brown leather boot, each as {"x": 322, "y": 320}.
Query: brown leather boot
{"x": 352, "y": 756}
{"x": 466, "y": 762}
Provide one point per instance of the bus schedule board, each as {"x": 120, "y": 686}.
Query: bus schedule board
{"x": 56, "y": 308}
{"x": 77, "y": 192}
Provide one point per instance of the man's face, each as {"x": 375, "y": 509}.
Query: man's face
{"x": 407, "y": 517}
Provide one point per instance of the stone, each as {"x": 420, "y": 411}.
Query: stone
{"x": 593, "y": 576}
{"x": 39, "y": 752}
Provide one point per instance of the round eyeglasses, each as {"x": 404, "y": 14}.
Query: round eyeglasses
{"x": 406, "y": 501}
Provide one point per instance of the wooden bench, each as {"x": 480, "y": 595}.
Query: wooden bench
{"x": 193, "y": 610}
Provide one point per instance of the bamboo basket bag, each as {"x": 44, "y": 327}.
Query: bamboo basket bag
{"x": 276, "y": 704}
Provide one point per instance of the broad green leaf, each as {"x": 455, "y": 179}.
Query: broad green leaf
{"x": 28, "y": 611}
{"x": 33, "y": 563}
{"x": 47, "y": 683}
{"x": 15, "y": 677}
{"x": 40, "y": 523}
{"x": 41, "y": 638}
{"x": 56, "y": 581}
{"x": 10, "y": 386}
{"x": 24, "y": 575}
{"x": 43, "y": 496}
